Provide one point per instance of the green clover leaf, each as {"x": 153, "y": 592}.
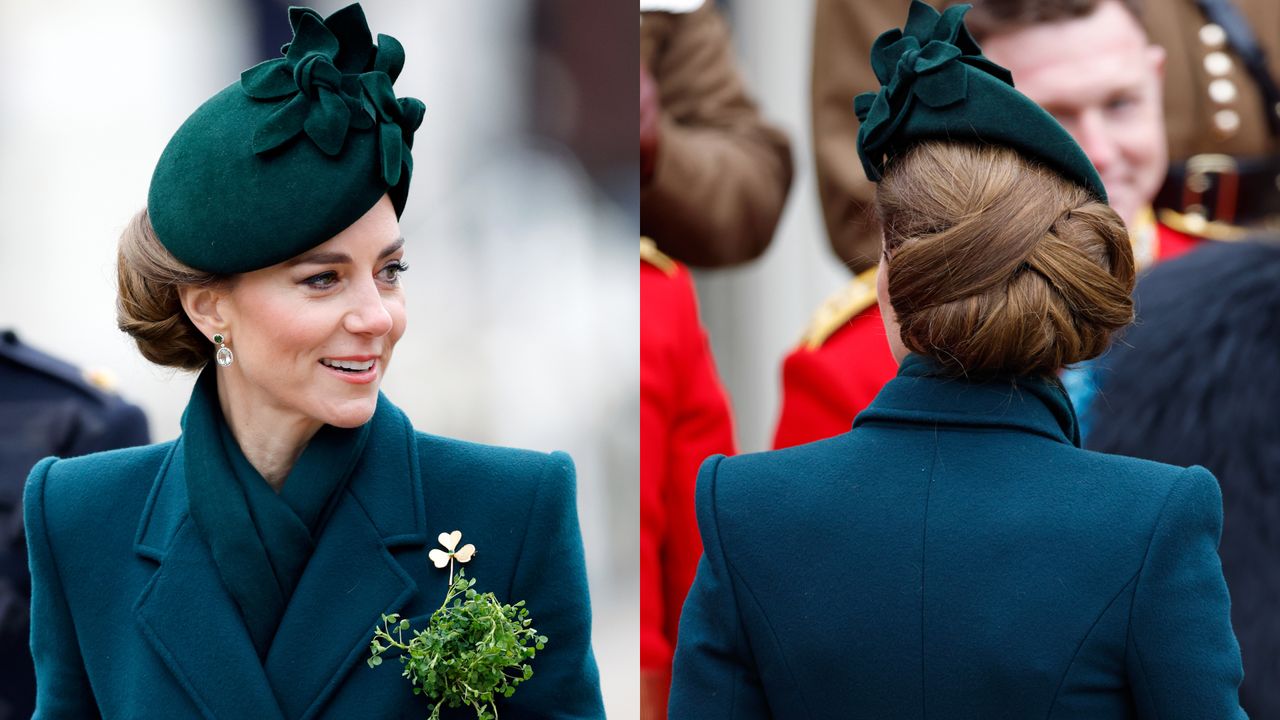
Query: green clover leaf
{"x": 473, "y": 650}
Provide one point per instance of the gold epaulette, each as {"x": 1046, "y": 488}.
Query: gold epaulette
{"x": 858, "y": 295}
{"x": 101, "y": 378}
{"x": 650, "y": 253}
{"x": 1142, "y": 238}
{"x": 1197, "y": 226}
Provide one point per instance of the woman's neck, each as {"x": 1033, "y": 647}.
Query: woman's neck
{"x": 271, "y": 439}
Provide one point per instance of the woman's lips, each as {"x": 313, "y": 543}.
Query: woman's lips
{"x": 360, "y": 377}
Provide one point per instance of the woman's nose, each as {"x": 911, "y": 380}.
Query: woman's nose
{"x": 368, "y": 314}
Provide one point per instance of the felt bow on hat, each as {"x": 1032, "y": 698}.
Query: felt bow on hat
{"x": 335, "y": 81}
{"x": 936, "y": 84}
{"x": 397, "y": 118}
{"x": 924, "y": 62}
{"x": 297, "y": 149}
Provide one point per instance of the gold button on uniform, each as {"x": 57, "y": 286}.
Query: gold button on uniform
{"x": 1226, "y": 122}
{"x": 1217, "y": 63}
{"x": 1222, "y": 91}
{"x": 1213, "y": 35}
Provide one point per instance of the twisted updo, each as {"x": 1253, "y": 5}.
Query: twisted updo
{"x": 148, "y": 307}
{"x": 997, "y": 265}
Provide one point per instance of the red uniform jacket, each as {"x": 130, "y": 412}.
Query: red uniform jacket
{"x": 684, "y": 417}
{"x": 827, "y": 381}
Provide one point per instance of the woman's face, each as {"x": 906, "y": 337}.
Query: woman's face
{"x": 314, "y": 335}
{"x": 890, "y": 318}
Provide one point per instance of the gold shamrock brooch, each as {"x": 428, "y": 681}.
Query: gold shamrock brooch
{"x": 451, "y": 551}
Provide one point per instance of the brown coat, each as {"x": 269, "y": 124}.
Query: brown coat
{"x": 722, "y": 173}
{"x": 842, "y": 37}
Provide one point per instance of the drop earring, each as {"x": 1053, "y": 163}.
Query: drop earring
{"x": 223, "y": 356}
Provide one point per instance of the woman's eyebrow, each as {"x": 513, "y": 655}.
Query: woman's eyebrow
{"x": 338, "y": 258}
{"x": 399, "y": 243}
{"x": 320, "y": 258}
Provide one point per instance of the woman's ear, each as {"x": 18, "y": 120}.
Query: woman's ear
{"x": 203, "y": 304}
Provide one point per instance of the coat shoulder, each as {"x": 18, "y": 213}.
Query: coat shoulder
{"x": 93, "y": 500}
{"x": 503, "y": 473}
{"x": 1133, "y": 476}
{"x": 83, "y": 484}
{"x": 768, "y": 484}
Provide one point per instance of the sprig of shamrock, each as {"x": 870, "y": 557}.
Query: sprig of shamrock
{"x": 473, "y": 650}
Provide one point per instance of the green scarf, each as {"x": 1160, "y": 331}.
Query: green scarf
{"x": 260, "y": 540}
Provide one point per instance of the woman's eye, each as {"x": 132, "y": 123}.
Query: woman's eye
{"x": 391, "y": 273}
{"x": 323, "y": 280}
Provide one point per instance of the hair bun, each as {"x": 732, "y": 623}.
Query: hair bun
{"x": 998, "y": 265}
{"x": 148, "y": 306}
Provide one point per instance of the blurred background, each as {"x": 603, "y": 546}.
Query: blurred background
{"x": 521, "y": 223}
{"x": 756, "y": 313}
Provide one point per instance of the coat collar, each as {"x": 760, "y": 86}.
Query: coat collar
{"x": 350, "y": 581}
{"x": 393, "y": 498}
{"x": 922, "y": 395}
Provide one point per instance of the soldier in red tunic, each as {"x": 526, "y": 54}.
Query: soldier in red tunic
{"x": 684, "y": 417}
{"x": 1104, "y": 86}
{"x": 714, "y": 176}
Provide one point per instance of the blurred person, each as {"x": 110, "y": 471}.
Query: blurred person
{"x": 270, "y": 26}
{"x": 239, "y": 570}
{"x": 584, "y": 51}
{"x": 713, "y": 174}
{"x": 47, "y": 407}
{"x": 714, "y": 177}
{"x": 1216, "y": 98}
{"x": 1088, "y": 63}
{"x": 957, "y": 553}
{"x": 1197, "y": 381}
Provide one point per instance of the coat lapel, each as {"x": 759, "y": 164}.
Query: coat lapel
{"x": 187, "y": 616}
{"x": 352, "y": 578}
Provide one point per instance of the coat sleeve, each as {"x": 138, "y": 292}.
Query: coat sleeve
{"x": 722, "y": 173}
{"x": 715, "y": 673}
{"x": 551, "y": 577}
{"x": 1183, "y": 659}
{"x": 62, "y": 686}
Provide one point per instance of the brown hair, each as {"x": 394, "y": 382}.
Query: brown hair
{"x": 998, "y": 265}
{"x": 996, "y": 17}
{"x": 148, "y": 307}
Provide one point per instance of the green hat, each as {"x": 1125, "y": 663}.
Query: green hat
{"x": 936, "y": 85}
{"x": 292, "y": 154}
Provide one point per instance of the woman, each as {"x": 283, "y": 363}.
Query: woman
{"x": 957, "y": 554}
{"x": 239, "y": 571}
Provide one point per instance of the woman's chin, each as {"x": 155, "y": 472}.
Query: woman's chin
{"x": 350, "y": 414}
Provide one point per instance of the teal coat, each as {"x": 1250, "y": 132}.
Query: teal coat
{"x": 956, "y": 555}
{"x": 130, "y": 619}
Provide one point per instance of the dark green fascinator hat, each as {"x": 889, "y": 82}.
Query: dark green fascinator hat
{"x": 295, "y": 152}
{"x": 936, "y": 85}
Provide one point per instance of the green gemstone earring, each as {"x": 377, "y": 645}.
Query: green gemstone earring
{"x": 223, "y": 356}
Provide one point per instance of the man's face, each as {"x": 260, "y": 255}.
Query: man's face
{"x": 1100, "y": 77}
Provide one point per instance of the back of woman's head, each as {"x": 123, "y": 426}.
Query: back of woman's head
{"x": 997, "y": 265}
